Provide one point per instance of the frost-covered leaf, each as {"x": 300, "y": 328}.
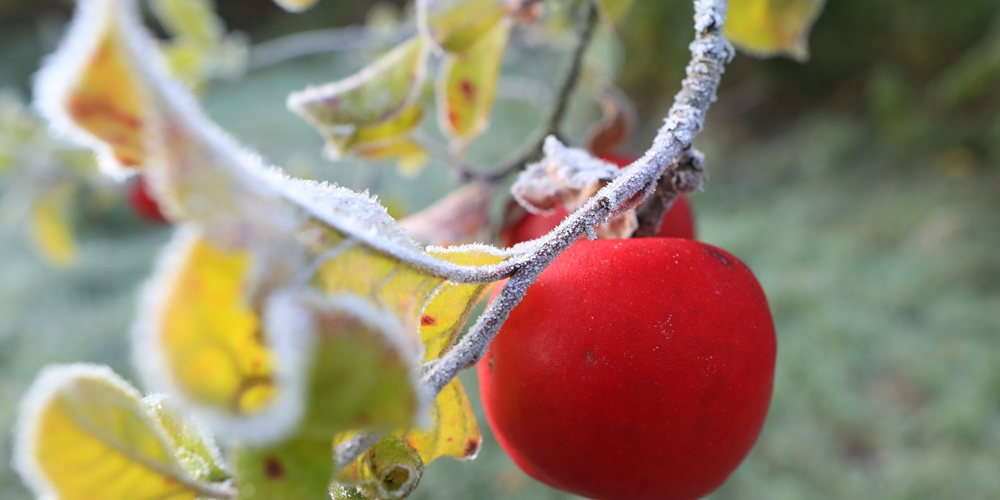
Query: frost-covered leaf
{"x": 296, "y": 5}
{"x": 767, "y": 28}
{"x": 568, "y": 177}
{"x": 456, "y": 25}
{"x": 390, "y": 140}
{"x": 51, "y": 228}
{"x": 199, "y": 336}
{"x": 454, "y": 432}
{"x": 565, "y": 176}
{"x": 83, "y": 434}
{"x": 389, "y": 470}
{"x": 371, "y": 97}
{"x": 467, "y": 86}
{"x": 298, "y": 468}
{"x": 248, "y": 233}
{"x": 194, "y": 448}
{"x": 461, "y": 217}
{"x": 89, "y": 89}
{"x": 615, "y": 126}
{"x": 362, "y": 363}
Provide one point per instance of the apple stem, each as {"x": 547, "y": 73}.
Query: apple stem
{"x": 670, "y": 154}
{"x": 687, "y": 177}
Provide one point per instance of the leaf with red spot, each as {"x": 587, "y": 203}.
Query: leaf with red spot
{"x": 467, "y": 86}
{"x": 301, "y": 467}
{"x": 455, "y": 432}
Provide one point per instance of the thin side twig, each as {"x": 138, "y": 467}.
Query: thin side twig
{"x": 686, "y": 177}
{"x": 553, "y": 121}
{"x": 710, "y": 52}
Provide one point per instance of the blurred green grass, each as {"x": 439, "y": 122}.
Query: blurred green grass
{"x": 884, "y": 282}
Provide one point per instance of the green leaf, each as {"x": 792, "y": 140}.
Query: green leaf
{"x": 467, "y": 86}
{"x": 373, "y": 96}
{"x": 389, "y": 470}
{"x": 299, "y": 468}
{"x": 456, "y": 25}
{"x": 362, "y": 372}
{"x": 767, "y": 28}
{"x": 191, "y": 19}
{"x": 194, "y": 448}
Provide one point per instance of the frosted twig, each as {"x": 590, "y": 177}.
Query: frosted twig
{"x": 710, "y": 52}
{"x": 687, "y": 176}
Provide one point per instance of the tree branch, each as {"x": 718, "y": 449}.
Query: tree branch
{"x": 709, "y": 51}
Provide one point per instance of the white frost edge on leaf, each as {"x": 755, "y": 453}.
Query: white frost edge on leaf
{"x": 61, "y": 72}
{"x": 289, "y": 313}
{"x": 170, "y": 407}
{"x": 361, "y": 218}
{"x": 50, "y": 384}
{"x": 322, "y": 200}
{"x": 298, "y": 102}
{"x": 268, "y": 426}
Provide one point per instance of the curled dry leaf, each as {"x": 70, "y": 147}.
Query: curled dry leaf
{"x": 568, "y": 177}
{"x": 461, "y": 217}
{"x": 614, "y": 128}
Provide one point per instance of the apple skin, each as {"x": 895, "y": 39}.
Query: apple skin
{"x": 143, "y": 203}
{"x": 678, "y": 222}
{"x": 636, "y": 369}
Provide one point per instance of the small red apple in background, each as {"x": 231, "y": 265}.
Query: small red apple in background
{"x": 677, "y": 223}
{"x": 636, "y": 369}
{"x": 143, "y": 203}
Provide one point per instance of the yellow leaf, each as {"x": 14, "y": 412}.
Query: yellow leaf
{"x": 385, "y": 141}
{"x": 83, "y": 434}
{"x": 200, "y": 336}
{"x": 456, "y": 25}
{"x": 616, "y": 9}
{"x": 409, "y": 155}
{"x": 51, "y": 230}
{"x": 296, "y": 5}
{"x": 467, "y": 86}
{"x": 370, "y": 97}
{"x": 448, "y": 310}
{"x": 767, "y": 28}
{"x": 454, "y": 432}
